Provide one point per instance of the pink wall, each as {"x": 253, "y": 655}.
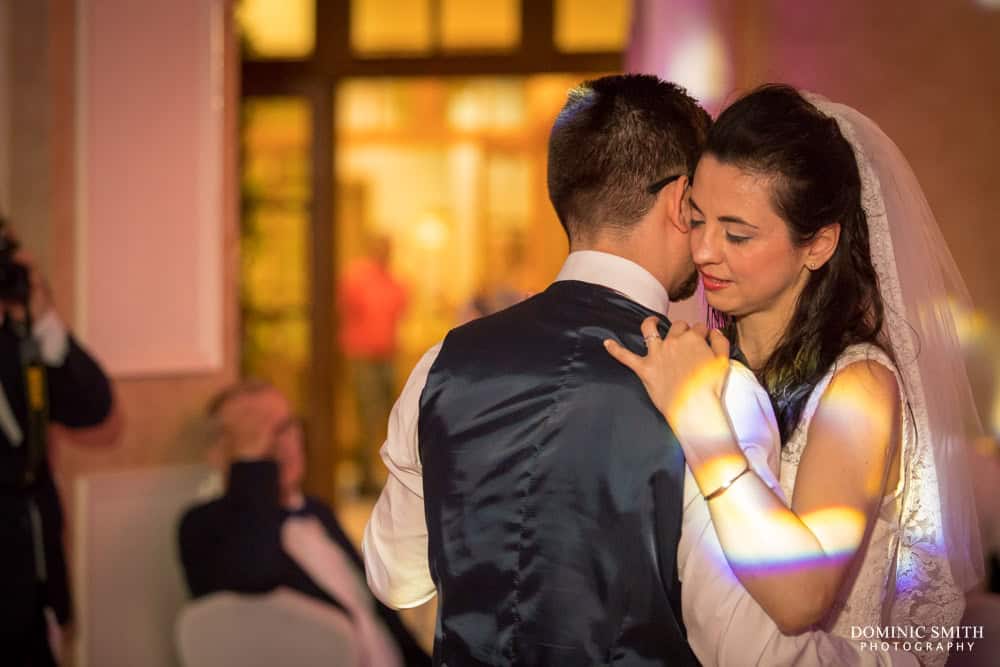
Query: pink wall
{"x": 146, "y": 255}
{"x": 149, "y": 133}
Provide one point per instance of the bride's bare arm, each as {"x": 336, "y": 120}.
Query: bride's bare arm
{"x": 791, "y": 560}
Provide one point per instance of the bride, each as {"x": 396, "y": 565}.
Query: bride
{"x": 822, "y": 259}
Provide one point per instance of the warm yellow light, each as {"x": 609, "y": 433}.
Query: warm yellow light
{"x": 690, "y": 404}
{"x": 994, "y": 419}
{"x": 850, "y": 412}
{"x": 389, "y": 26}
{"x": 278, "y": 28}
{"x": 486, "y": 104}
{"x": 431, "y": 232}
{"x": 721, "y": 467}
{"x": 971, "y": 325}
{"x": 468, "y": 111}
{"x": 840, "y": 529}
{"x": 480, "y": 24}
{"x": 592, "y": 25}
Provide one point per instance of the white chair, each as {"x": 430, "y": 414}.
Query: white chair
{"x": 128, "y": 579}
{"x": 283, "y": 628}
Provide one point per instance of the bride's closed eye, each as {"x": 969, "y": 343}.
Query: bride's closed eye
{"x": 732, "y": 238}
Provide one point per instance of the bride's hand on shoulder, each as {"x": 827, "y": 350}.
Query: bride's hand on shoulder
{"x": 680, "y": 371}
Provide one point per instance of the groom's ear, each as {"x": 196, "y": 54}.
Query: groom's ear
{"x": 676, "y": 204}
{"x": 822, "y": 246}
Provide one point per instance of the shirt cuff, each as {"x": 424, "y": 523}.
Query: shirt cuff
{"x": 52, "y": 337}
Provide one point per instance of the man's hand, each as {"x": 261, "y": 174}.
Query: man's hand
{"x": 251, "y": 424}
{"x": 40, "y": 294}
{"x": 40, "y": 297}
{"x": 248, "y": 432}
{"x": 679, "y": 371}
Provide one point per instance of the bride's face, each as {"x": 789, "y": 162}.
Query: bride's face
{"x": 742, "y": 248}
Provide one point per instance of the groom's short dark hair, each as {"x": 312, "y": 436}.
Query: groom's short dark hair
{"x": 615, "y": 137}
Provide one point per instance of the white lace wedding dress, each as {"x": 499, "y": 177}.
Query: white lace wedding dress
{"x": 868, "y": 594}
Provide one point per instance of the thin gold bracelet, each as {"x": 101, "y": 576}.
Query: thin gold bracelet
{"x": 725, "y": 485}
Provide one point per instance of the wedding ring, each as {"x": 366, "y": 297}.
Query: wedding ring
{"x": 649, "y": 338}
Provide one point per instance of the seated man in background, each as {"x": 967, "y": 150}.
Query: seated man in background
{"x": 239, "y": 543}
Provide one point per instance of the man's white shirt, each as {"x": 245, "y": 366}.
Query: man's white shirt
{"x": 725, "y": 625}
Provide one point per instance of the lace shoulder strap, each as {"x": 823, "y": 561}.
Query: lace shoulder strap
{"x": 852, "y": 354}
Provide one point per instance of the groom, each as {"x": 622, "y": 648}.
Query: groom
{"x": 550, "y": 485}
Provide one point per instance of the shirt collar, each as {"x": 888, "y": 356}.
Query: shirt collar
{"x": 616, "y": 273}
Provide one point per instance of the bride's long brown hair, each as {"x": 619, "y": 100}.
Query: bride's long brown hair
{"x": 775, "y": 132}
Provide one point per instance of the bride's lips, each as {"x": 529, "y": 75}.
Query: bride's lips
{"x": 713, "y": 284}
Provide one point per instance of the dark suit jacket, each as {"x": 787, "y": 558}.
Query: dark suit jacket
{"x": 552, "y": 490}
{"x": 79, "y": 396}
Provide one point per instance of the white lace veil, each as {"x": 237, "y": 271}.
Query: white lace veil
{"x": 939, "y": 550}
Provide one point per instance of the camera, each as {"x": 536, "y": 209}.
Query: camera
{"x": 14, "y": 282}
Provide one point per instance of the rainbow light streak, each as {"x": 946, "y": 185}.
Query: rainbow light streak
{"x": 770, "y": 543}
{"x": 774, "y": 542}
{"x": 778, "y": 555}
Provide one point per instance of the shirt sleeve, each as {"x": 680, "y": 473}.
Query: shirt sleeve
{"x": 725, "y": 624}
{"x": 395, "y": 541}
{"x": 52, "y": 337}
{"x": 753, "y": 422}
{"x": 80, "y": 394}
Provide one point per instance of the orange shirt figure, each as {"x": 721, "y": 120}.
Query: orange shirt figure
{"x": 372, "y": 302}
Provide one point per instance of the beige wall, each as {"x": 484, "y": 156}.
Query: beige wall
{"x": 28, "y": 125}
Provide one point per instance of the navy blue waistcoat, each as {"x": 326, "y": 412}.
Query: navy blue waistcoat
{"x": 553, "y": 490}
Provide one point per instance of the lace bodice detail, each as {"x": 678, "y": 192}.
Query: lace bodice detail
{"x": 865, "y": 596}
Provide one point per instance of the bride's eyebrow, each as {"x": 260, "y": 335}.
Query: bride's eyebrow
{"x": 735, "y": 219}
{"x": 725, "y": 218}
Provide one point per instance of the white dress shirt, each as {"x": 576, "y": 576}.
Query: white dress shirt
{"x": 725, "y": 625}
{"x": 305, "y": 540}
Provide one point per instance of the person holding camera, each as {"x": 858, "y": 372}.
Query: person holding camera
{"x": 45, "y": 377}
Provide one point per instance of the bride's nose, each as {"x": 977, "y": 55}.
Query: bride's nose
{"x": 706, "y": 243}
